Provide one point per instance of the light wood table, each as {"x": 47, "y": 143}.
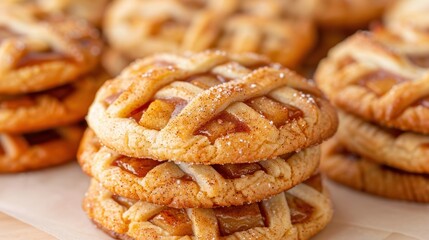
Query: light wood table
{"x": 12, "y": 228}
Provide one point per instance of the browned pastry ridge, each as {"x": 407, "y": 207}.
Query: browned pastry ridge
{"x": 296, "y": 214}
{"x": 194, "y": 186}
{"x": 209, "y": 108}
{"x": 154, "y": 26}
{"x": 367, "y": 77}
{"x": 407, "y": 151}
{"x": 50, "y": 108}
{"x": 31, "y": 151}
{"x": 364, "y": 174}
{"x": 42, "y": 53}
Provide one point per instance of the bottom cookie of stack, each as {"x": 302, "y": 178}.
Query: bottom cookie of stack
{"x": 298, "y": 213}
{"x": 31, "y": 151}
{"x": 364, "y": 174}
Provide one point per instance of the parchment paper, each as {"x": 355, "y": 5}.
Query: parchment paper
{"x": 51, "y": 201}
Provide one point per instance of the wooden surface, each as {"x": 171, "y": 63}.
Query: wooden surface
{"x": 12, "y": 228}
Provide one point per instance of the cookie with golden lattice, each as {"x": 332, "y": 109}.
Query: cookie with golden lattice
{"x": 40, "y": 53}
{"x": 236, "y": 26}
{"x": 407, "y": 151}
{"x": 49, "y": 108}
{"x": 298, "y": 213}
{"x": 209, "y": 108}
{"x": 32, "y": 151}
{"x": 194, "y": 186}
{"x": 368, "y": 78}
{"x": 364, "y": 174}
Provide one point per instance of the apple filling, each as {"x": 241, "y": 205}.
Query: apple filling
{"x": 231, "y": 171}
{"x": 41, "y": 137}
{"x": 239, "y": 218}
{"x": 175, "y": 221}
{"x": 380, "y": 82}
{"x": 419, "y": 60}
{"x": 300, "y": 211}
{"x": 136, "y": 166}
{"x": 221, "y": 125}
{"x": 207, "y": 80}
{"x": 278, "y": 113}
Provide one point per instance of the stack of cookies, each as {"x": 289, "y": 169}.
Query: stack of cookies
{"x": 47, "y": 82}
{"x": 380, "y": 80}
{"x": 207, "y": 145}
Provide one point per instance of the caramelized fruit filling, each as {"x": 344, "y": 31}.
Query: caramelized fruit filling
{"x": 160, "y": 111}
{"x": 23, "y": 101}
{"x": 126, "y": 202}
{"x": 2, "y": 150}
{"x": 380, "y": 82}
{"x": 220, "y": 126}
{"x": 423, "y": 102}
{"x": 419, "y": 60}
{"x": 239, "y": 218}
{"x": 231, "y": 171}
{"x": 41, "y": 137}
{"x": 34, "y": 58}
{"x": 137, "y": 166}
{"x": 315, "y": 182}
{"x": 174, "y": 221}
{"x": 278, "y": 113}
{"x": 300, "y": 211}
{"x": 207, "y": 80}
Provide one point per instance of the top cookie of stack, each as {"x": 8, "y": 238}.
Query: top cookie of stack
{"x": 209, "y": 108}
{"x": 48, "y": 79}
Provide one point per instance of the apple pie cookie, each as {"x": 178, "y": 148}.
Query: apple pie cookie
{"x": 40, "y": 53}
{"x": 49, "y": 108}
{"x": 237, "y": 26}
{"x": 407, "y": 151}
{"x": 368, "y": 78}
{"x": 296, "y": 214}
{"x": 31, "y": 151}
{"x": 210, "y": 108}
{"x": 364, "y": 174}
{"x": 194, "y": 186}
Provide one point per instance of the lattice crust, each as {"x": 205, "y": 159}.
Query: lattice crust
{"x": 337, "y": 13}
{"x": 92, "y": 11}
{"x": 296, "y": 214}
{"x": 368, "y": 78}
{"x": 50, "y": 108}
{"x": 31, "y": 151}
{"x": 184, "y": 185}
{"x": 409, "y": 20}
{"x": 153, "y": 26}
{"x": 407, "y": 151}
{"x": 39, "y": 53}
{"x": 364, "y": 174}
{"x": 209, "y": 108}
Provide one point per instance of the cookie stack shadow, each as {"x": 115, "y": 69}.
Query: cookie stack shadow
{"x": 379, "y": 81}
{"x": 48, "y": 79}
{"x": 175, "y": 143}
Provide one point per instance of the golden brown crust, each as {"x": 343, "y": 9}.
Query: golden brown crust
{"x": 55, "y": 107}
{"x": 407, "y": 151}
{"x": 42, "y": 53}
{"x": 135, "y": 222}
{"x": 204, "y": 187}
{"x": 366, "y": 175}
{"x": 34, "y": 151}
{"x": 235, "y": 26}
{"x": 352, "y": 66}
{"x": 184, "y": 138}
